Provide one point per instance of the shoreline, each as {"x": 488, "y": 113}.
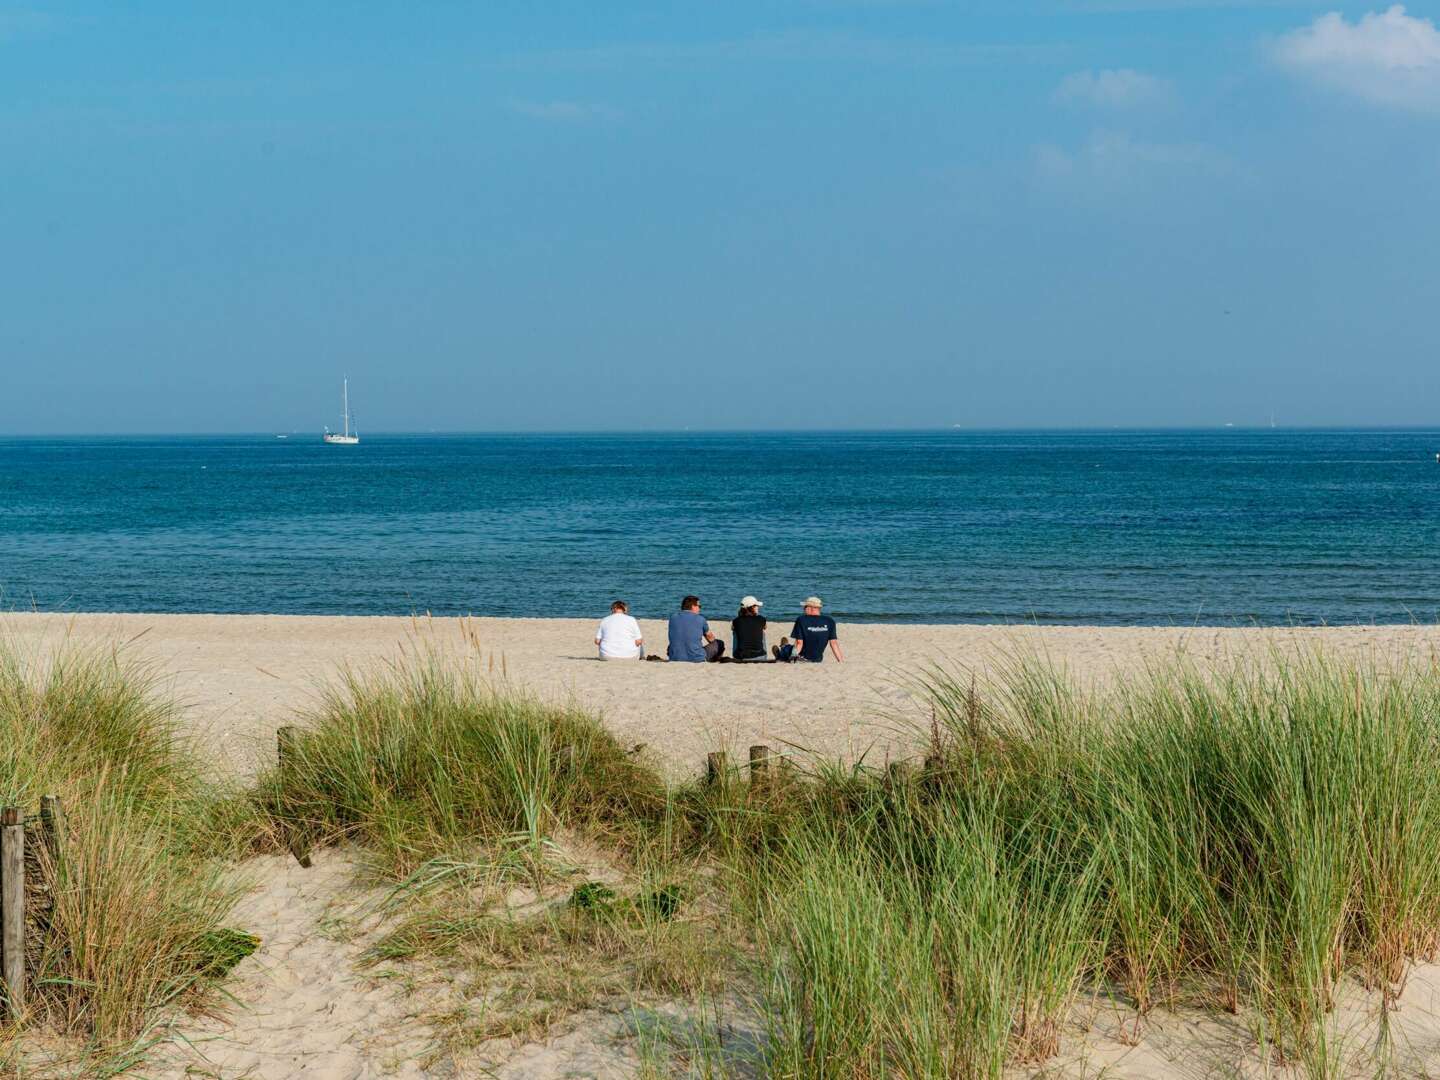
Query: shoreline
{"x": 239, "y": 677}
{"x": 850, "y": 620}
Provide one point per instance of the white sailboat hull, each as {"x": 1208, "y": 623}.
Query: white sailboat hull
{"x": 343, "y": 440}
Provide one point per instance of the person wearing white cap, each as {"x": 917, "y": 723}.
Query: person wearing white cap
{"x": 748, "y": 630}
{"x": 812, "y": 633}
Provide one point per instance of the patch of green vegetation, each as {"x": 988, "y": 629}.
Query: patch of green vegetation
{"x": 592, "y": 896}
{"x": 218, "y": 951}
{"x": 424, "y": 758}
{"x": 1250, "y": 836}
{"x": 132, "y": 913}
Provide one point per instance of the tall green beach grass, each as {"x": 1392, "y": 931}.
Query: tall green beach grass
{"x": 137, "y": 897}
{"x": 1258, "y": 839}
{"x": 425, "y": 758}
{"x": 1261, "y": 833}
{"x": 1243, "y": 840}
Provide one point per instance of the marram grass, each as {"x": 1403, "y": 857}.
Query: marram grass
{"x": 137, "y": 899}
{"x": 1243, "y": 839}
{"x": 1263, "y": 832}
{"x": 1247, "y": 839}
{"x": 425, "y": 758}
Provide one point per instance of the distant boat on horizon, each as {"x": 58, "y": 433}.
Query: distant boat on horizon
{"x": 345, "y": 439}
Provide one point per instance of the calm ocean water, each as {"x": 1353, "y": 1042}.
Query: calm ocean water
{"x": 1135, "y": 527}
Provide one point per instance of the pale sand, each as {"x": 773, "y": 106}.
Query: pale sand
{"x": 303, "y": 1010}
{"x": 241, "y": 676}
{"x": 307, "y": 1007}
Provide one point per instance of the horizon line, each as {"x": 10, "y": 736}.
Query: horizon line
{"x": 521, "y": 432}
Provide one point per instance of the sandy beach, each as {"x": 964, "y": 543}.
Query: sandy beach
{"x": 239, "y": 677}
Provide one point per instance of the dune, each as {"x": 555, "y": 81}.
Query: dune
{"x": 304, "y": 1007}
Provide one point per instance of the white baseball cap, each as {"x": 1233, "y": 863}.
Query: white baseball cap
{"x": 750, "y": 601}
{"x": 812, "y": 601}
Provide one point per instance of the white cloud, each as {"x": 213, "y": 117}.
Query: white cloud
{"x": 1388, "y": 58}
{"x": 564, "y": 111}
{"x": 1120, "y": 88}
{"x": 1114, "y": 160}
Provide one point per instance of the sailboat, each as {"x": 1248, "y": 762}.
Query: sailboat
{"x": 347, "y": 439}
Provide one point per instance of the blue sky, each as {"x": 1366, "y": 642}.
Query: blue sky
{"x": 517, "y": 216}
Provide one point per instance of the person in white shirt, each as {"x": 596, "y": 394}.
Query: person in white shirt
{"x": 619, "y": 635}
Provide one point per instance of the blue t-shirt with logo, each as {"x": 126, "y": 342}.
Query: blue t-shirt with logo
{"x": 687, "y": 637}
{"x": 814, "y": 632}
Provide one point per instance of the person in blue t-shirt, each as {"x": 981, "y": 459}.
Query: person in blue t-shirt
{"x": 812, "y": 633}
{"x": 690, "y": 638}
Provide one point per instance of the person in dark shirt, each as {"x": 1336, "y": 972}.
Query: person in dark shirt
{"x": 812, "y": 633}
{"x": 749, "y": 630}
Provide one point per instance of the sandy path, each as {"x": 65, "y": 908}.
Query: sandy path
{"x": 301, "y": 1007}
{"x": 241, "y": 676}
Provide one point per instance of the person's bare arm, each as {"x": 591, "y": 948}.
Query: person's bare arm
{"x": 835, "y": 648}
{"x": 709, "y": 636}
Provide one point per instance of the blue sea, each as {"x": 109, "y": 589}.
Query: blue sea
{"x": 1116, "y": 527}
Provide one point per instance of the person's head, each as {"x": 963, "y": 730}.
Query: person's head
{"x": 690, "y": 603}
{"x": 620, "y": 607}
{"x": 751, "y": 606}
{"x": 813, "y": 605}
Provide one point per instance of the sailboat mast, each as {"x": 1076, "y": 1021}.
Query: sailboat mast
{"x": 345, "y": 397}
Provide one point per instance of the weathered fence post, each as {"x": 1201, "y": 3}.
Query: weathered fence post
{"x": 715, "y": 767}
{"x": 759, "y": 766}
{"x": 12, "y": 908}
{"x": 285, "y": 754}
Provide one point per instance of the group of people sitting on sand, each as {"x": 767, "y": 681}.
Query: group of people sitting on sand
{"x": 693, "y": 642}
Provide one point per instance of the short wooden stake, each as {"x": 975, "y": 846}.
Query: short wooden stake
{"x": 12, "y": 908}
{"x": 715, "y": 767}
{"x": 285, "y": 753}
{"x": 759, "y": 765}
{"x": 52, "y": 819}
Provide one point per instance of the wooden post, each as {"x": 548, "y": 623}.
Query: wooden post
{"x": 12, "y": 908}
{"x": 52, "y": 819}
{"x": 759, "y": 765}
{"x": 285, "y": 753}
{"x": 715, "y": 767}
